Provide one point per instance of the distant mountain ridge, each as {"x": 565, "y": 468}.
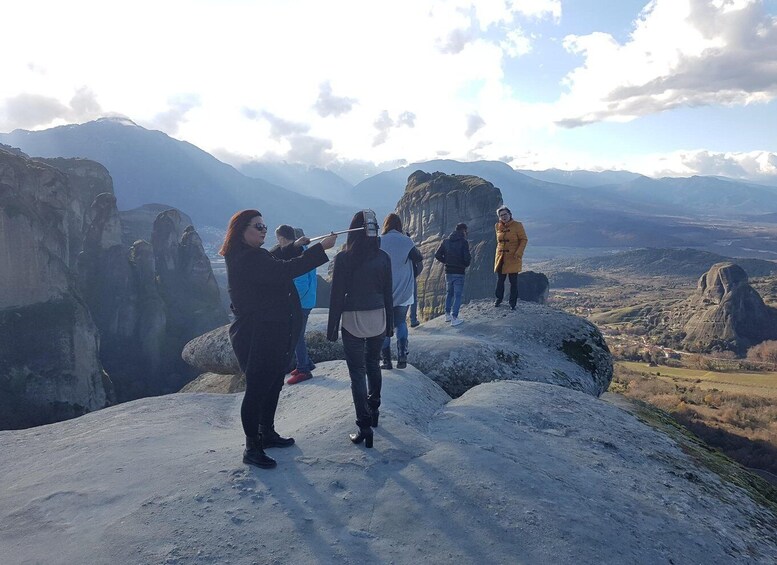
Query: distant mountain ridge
{"x": 310, "y": 181}
{"x": 149, "y": 166}
{"x": 691, "y": 263}
{"x": 559, "y": 208}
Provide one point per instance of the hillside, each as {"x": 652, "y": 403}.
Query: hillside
{"x": 688, "y": 263}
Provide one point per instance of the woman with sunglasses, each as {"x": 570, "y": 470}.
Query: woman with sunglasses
{"x": 267, "y": 322}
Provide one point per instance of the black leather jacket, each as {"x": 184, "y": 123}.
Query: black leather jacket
{"x": 359, "y": 286}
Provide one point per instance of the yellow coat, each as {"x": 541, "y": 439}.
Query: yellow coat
{"x": 511, "y": 241}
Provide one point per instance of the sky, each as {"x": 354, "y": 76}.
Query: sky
{"x": 666, "y": 87}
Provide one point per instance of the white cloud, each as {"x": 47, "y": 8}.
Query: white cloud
{"x": 330, "y": 105}
{"x": 474, "y": 123}
{"x": 754, "y": 165}
{"x": 170, "y": 120}
{"x": 681, "y": 53}
{"x": 27, "y": 110}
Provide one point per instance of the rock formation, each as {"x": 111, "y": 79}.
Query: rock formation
{"x": 147, "y": 301}
{"x": 725, "y": 313}
{"x": 431, "y": 207}
{"x": 138, "y": 223}
{"x": 49, "y": 364}
{"x": 75, "y": 299}
{"x": 532, "y": 343}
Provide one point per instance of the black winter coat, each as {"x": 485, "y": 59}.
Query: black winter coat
{"x": 454, "y": 253}
{"x": 357, "y": 286}
{"x": 262, "y": 291}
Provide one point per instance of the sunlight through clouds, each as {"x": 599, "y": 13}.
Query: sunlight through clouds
{"x": 379, "y": 81}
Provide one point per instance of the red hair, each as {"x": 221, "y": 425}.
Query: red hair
{"x": 237, "y": 226}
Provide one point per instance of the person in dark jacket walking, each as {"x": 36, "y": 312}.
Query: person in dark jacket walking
{"x": 267, "y": 322}
{"x": 454, "y": 254}
{"x": 361, "y": 300}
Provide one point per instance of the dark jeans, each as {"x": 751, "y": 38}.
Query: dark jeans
{"x": 500, "y": 287}
{"x": 263, "y": 351}
{"x": 304, "y": 364}
{"x": 400, "y": 330}
{"x": 362, "y": 355}
{"x": 455, "y": 284}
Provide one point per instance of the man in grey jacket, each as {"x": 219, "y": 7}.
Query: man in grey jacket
{"x": 404, "y": 255}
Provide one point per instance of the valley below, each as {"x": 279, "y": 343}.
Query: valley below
{"x": 728, "y": 400}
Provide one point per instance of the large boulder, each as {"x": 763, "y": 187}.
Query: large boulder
{"x": 212, "y": 352}
{"x": 531, "y": 343}
{"x": 725, "y": 312}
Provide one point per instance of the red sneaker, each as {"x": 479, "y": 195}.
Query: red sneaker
{"x": 294, "y": 373}
{"x": 299, "y": 377}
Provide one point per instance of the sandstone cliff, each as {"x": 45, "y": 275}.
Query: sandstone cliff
{"x": 75, "y": 299}
{"x": 148, "y": 300}
{"x": 725, "y": 312}
{"x": 430, "y": 209}
{"x": 49, "y": 363}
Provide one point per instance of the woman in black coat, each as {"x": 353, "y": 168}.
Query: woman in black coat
{"x": 361, "y": 298}
{"x": 267, "y": 322}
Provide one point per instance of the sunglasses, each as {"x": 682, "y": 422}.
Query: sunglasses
{"x": 258, "y": 227}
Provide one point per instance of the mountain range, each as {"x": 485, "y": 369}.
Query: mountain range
{"x": 150, "y": 167}
{"x": 584, "y": 209}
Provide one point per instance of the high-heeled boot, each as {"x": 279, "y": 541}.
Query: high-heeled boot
{"x": 255, "y": 455}
{"x": 364, "y": 435}
{"x": 374, "y": 407}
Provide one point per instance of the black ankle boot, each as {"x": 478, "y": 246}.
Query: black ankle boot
{"x": 271, "y": 438}
{"x": 374, "y": 414}
{"x": 364, "y": 435}
{"x": 255, "y": 455}
{"x": 385, "y": 353}
{"x": 497, "y": 302}
{"x": 402, "y": 353}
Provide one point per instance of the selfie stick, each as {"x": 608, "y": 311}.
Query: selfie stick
{"x": 370, "y": 226}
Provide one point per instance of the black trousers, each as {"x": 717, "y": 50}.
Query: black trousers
{"x": 500, "y": 287}
{"x": 263, "y": 351}
{"x": 362, "y": 355}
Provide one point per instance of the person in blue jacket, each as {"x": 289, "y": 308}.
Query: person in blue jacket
{"x": 306, "y": 289}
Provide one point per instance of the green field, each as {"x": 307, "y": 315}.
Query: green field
{"x": 760, "y": 384}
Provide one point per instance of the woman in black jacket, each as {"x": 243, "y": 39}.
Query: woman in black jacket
{"x": 267, "y": 322}
{"x": 361, "y": 297}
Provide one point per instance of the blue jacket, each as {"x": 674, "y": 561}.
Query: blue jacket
{"x": 306, "y": 288}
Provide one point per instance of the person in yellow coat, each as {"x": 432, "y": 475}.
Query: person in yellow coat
{"x": 511, "y": 241}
